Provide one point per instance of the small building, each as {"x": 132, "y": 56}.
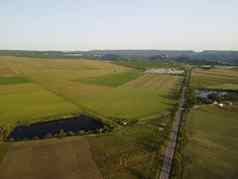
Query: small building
{"x": 228, "y": 103}
{"x": 215, "y": 102}
{"x": 221, "y": 105}
{"x": 124, "y": 123}
{"x": 206, "y": 67}
{"x": 171, "y": 71}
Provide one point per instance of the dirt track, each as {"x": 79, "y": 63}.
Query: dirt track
{"x": 68, "y": 158}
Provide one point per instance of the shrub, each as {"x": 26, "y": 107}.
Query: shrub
{"x": 48, "y": 136}
{"x": 61, "y": 133}
{"x": 36, "y": 138}
{"x": 71, "y": 133}
{"x": 82, "y": 132}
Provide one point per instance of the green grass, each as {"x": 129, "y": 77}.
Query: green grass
{"x": 126, "y": 102}
{"x": 91, "y": 86}
{"x": 114, "y": 79}
{"x": 61, "y": 87}
{"x": 28, "y": 103}
{"x": 212, "y": 148}
{"x": 131, "y": 152}
{"x": 13, "y": 80}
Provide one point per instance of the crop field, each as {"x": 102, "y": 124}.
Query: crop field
{"x": 46, "y": 89}
{"x": 152, "y": 81}
{"x": 13, "y": 80}
{"x": 215, "y": 79}
{"x": 113, "y": 80}
{"x": 29, "y": 102}
{"x": 55, "y": 158}
{"x": 210, "y": 150}
{"x": 212, "y": 147}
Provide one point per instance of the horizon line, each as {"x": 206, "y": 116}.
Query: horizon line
{"x": 88, "y": 50}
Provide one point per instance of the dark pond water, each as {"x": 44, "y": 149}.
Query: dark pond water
{"x": 210, "y": 96}
{"x": 210, "y": 93}
{"x": 70, "y": 126}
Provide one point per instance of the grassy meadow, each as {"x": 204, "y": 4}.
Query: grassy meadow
{"x": 29, "y": 102}
{"x": 42, "y": 88}
{"x": 212, "y": 147}
{"x": 132, "y": 152}
{"x": 13, "y": 80}
{"x": 113, "y": 80}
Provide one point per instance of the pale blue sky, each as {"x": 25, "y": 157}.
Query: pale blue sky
{"x": 118, "y": 24}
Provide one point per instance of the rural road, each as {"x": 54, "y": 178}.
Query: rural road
{"x": 171, "y": 146}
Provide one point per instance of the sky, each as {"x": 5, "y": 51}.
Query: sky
{"x": 119, "y": 24}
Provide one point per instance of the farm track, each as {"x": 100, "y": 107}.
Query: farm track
{"x": 171, "y": 146}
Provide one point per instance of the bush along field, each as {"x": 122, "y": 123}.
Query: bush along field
{"x": 138, "y": 105}
{"x": 207, "y": 143}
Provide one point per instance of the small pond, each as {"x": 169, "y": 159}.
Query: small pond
{"x": 70, "y": 126}
{"x": 210, "y": 93}
{"x": 210, "y": 96}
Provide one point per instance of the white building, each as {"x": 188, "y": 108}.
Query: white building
{"x": 171, "y": 71}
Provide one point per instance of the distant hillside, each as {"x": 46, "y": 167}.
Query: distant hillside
{"x": 225, "y": 57}
{"x": 222, "y": 56}
{"x": 229, "y": 57}
{"x": 140, "y": 53}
